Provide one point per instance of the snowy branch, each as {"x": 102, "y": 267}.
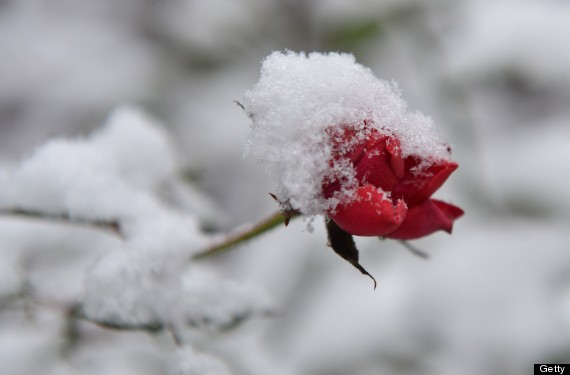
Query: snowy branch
{"x": 112, "y": 226}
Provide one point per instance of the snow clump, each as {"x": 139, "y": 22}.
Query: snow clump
{"x": 101, "y": 177}
{"x": 301, "y": 98}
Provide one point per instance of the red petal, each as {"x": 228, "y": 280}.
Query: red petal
{"x": 374, "y": 168}
{"x": 396, "y": 160}
{"x": 371, "y": 214}
{"x": 426, "y": 218}
{"x": 418, "y": 186}
{"x": 379, "y": 161}
{"x": 376, "y": 159}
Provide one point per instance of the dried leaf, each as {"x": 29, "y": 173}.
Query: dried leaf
{"x": 343, "y": 244}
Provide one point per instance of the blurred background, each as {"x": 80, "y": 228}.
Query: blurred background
{"x": 493, "y": 298}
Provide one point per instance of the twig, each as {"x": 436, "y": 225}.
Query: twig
{"x": 243, "y": 235}
{"x": 176, "y": 336}
{"x": 414, "y": 250}
{"x": 75, "y": 311}
{"x": 239, "y": 104}
{"x": 70, "y": 331}
{"x": 113, "y": 226}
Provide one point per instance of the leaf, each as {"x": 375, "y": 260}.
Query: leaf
{"x": 343, "y": 244}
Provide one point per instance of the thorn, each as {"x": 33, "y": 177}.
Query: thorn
{"x": 286, "y": 211}
{"x": 241, "y": 105}
{"x": 414, "y": 250}
{"x": 288, "y": 214}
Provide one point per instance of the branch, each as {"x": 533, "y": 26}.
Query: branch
{"x": 64, "y": 218}
{"x": 414, "y": 250}
{"x": 242, "y": 235}
{"x": 75, "y": 311}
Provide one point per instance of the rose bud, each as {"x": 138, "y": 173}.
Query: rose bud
{"x": 392, "y": 197}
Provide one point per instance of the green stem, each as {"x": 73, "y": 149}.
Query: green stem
{"x": 243, "y": 235}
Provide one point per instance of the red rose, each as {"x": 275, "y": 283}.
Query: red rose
{"x": 393, "y": 193}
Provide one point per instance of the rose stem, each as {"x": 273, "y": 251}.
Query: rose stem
{"x": 242, "y": 235}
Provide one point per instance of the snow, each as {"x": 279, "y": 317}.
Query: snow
{"x": 128, "y": 131}
{"x": 488, "y": 43}
{"x": 25, "y": 348}
{"x": 159, "y": 289}
{"x": 204, "y": 25}
{"x": 10, "y": 278}
{"x": 75, "y": 50}
{"x": 141, "y": 279}
{"x": 121, "y": 182}
{"x": 299, "y": 96}
{"x": 510, "y": 184}
{"x": 59, "y": 175}
{"x": 492, "y": 299}
{"x": 187, "y": 361}
{"x": 494, "y": 304}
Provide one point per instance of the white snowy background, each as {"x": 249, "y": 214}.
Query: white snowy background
{"x": 121, "y": 112}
